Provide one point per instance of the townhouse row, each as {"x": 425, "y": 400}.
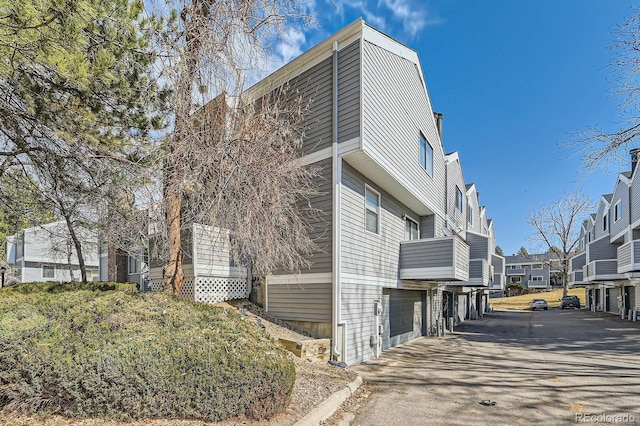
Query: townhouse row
{"x": 607, "y": 263}
{"x": 541, "y": 271}
{"x": 405, "y": 248}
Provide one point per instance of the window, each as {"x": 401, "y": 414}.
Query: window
{"x": 134, "y": 265}
{"x": 589, "y": 237}
{"x": 92, "y": 274}
{"x": 48, "y": 271}
{"x": 536, "y": 266}
{"x": 470, "y": 214}
{"x": 458, "y": 199}
{"x": 410, "y": 229}
{"x": 605, "y": 222}
{"x": 426, "y": 155}
{"x": 372, "y": 213}
{"x": 536, "y": 278}
{"x": 616, "y": 212}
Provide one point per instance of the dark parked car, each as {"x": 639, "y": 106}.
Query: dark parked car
{"x": 570, "y": 302}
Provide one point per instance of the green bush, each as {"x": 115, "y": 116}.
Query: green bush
{"x": 120, "y": 354}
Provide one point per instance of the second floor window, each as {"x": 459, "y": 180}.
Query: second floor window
{"x": 372, "y": 213}
{"x": 470, "y": 214}
{"x": 605, "y": 222}
{"x": 616, "y": 212}
{"x": 426, "y": 155}
{"x": 459, "y": 199}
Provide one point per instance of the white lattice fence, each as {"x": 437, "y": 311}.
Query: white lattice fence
{"x": 219, "y": 289}
{"x": 155, "y": 284}
{"x": 209, "y": 289}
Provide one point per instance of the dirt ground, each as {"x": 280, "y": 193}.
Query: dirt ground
{"x": 314, "y": 383}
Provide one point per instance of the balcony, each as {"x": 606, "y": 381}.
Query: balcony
{"x": 538, "y": 284}
{"x": 576, "y": 277}
{"x": 498, "y": 282}
{"x": 515, "y": 271}
{"x": 629, "y": 257}
{"x": 479, "y": 273}
{"x": 602, "y": 270}
{"x": 434, "y": 259}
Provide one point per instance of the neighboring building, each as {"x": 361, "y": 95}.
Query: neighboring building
{"x": 116, "y": 265}
{"x": 536, "y": 271}
{"x": 47, "y": 253}
{"x": 608, "y": 261}
{"x": 405, "y": 247}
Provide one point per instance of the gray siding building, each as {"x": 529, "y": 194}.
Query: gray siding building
{"x": 395, "y": 237}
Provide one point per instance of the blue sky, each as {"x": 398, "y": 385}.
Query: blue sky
{"x": 514, "y": 80}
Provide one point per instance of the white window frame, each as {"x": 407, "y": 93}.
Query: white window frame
{"x": 617, "y": 211}
{"x": 605, "y": 222}
{"x": 537, "y": 266}
{"x": 49, "y": 268}
{"x": 367, "y": 208}
{"x": 426, "y": 155}
{"x": 409, "y": 237}
{"x": 537, "y": 278}
{"x": 470, "y": 214}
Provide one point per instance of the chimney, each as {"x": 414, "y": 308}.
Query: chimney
{"x": 438, "y": 116}
{"x": 635, "y": 156}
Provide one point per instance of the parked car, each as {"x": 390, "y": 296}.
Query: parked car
{"x": 570, "y": 302}
{"x": 538, "y": 304}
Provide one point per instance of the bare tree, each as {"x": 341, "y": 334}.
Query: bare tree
{"x": 598, "y": 147}
{"x": 232, "y": 163}
{"x": 557, "y": 226}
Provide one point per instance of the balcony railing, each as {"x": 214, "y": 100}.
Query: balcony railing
{"x": 538, "y": 284}
{"x": 576, "y": 277}
{"x": 479, "y": 272}
{"x": 629, "y": 257}
{"x": 498, "y": 282}
{"x": 434, "y": 259}
{"x": 599, "y": 270}
{"x": 515, "y": 271}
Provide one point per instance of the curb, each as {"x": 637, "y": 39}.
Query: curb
{"x": 329, "y": 405}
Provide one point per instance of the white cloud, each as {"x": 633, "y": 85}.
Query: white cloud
{"x": 291, "y": 45}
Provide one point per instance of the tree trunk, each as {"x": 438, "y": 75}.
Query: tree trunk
{"x": 173, "y": 274}
{"x": 78, "y": 247}
{"x": 174, "y": 169}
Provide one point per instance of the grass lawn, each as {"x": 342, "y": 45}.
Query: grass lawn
{"x": 522, "y": 302}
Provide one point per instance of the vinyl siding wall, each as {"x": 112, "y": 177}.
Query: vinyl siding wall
{"x": 599, "y": 231}
{"x": 395, "y": 110}
{"x": 602, "y": 249}
{"x": 363, "y": 252}
{"x": 357, "y": 305}
{"x": 300, "y": 301}
{"x": 635, "y": 198}
{"x": 472, "y": 201}
{"x": 316, "y": 87}
{"x": 478, "y": 246}
{"x": 621, "y": 194}
{"x": 455, "y": 181}
{"x": 349, "y": 92}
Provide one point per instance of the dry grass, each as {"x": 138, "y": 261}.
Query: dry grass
{"x": 522, "y": 302}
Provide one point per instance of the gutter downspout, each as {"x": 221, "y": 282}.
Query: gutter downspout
{"x": 336, "y": 176}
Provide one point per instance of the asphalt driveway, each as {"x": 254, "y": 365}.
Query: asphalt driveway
{"x": 543, "y": 367}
